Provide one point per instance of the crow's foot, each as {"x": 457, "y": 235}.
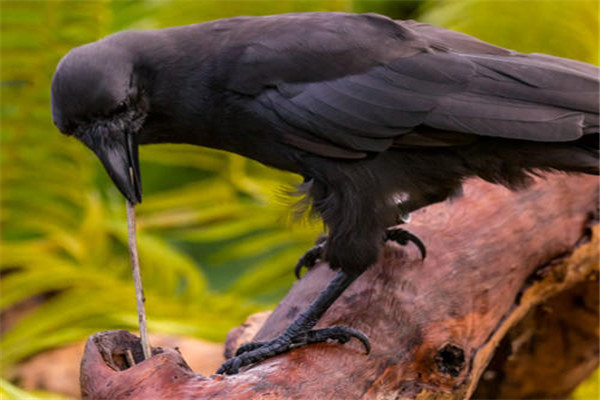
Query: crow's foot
{"x": 402, "y": 237}
{"x": 300, "y": 332}
{"x": 255, "y": 352}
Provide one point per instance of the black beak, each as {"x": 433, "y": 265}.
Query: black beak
{"x": 119, "y": 155}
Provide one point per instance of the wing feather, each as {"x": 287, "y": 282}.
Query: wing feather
{"x": 438, "y": 80}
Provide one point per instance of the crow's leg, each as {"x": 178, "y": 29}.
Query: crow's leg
{"x": 402, "y": 237}
{"x": 310, "y": 258}
{"x": 300, "y": 332}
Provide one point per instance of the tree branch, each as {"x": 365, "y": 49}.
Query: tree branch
{"x": 495, "y": 261}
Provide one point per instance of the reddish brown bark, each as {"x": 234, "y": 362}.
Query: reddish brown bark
{"x": 495, "y": 261}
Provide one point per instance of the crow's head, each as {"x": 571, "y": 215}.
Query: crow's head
{"x": 96, "y": 98}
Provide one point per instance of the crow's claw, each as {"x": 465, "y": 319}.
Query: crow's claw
{"x": 254, "y": 352}
{"x": 402, "y": 237}
{"x": 340, "y": 334}
{"x": 249, "y": 347}
{"x": 309, "y": 258}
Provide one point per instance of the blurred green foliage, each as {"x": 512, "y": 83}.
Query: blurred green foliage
{"x": 215, "y": 237}
{"x": 565, "y": 28}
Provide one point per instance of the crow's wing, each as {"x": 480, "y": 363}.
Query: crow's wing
{"x": 307, "y": 47}
{"x": 462, "y": 43}
{"x": 449, "y": 82}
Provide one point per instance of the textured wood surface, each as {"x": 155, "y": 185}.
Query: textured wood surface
{"x": 495, "y": 258}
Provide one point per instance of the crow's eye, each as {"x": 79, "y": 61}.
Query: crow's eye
{"x": 120, "y": 108}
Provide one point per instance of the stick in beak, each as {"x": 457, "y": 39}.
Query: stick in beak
{"x": 119, "y": 155}
{"x": 134, "y": 177}
{"x": 137, "y": 278}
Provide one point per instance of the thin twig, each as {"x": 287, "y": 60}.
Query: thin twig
{"x": 137, "y": 279}
{"x": 129, "y": 358}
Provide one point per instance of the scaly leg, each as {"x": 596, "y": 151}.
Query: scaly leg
{"x": 300, "y": 332}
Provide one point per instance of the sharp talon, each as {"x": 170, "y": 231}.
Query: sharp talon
{"x": 341, "y": 334}
{"x": 402, "y": 237}
{"x": 418, "y": 243}
{"x": 230, "y": 367}
{"x": 309, "y": 258}
{"x": 363, "y": 339}
{"x": 298, "y": 267}
{"x": 221, "y": 370}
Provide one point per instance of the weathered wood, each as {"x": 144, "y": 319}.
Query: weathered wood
{"x": 495, "y": 261}
{"x": 549, "y": 352}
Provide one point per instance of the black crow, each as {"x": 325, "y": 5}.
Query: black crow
{"x": 380, "y": 117}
